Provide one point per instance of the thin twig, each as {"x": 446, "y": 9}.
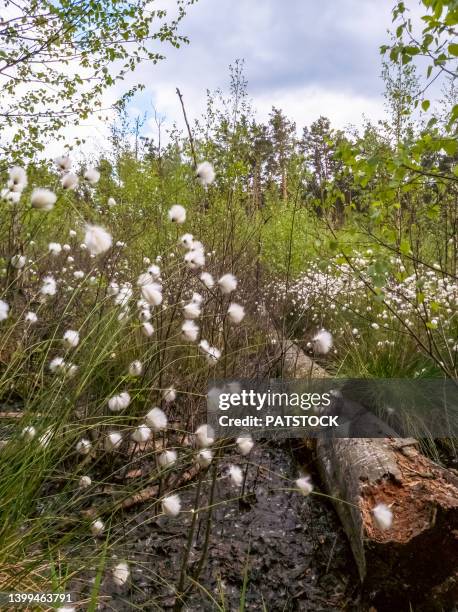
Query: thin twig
{"x": 191, "y": 140}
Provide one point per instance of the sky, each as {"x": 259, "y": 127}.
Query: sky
{"x": 307, "y": 57}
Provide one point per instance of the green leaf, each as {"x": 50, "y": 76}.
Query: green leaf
{"x": 411, "y": 50}
{"x": 425, "y": 105}
{"x": 450, "y": 146}
{"x": 454, "y": 113}
{"x": 404, "y": 247}
{"x": 453, "y": 49}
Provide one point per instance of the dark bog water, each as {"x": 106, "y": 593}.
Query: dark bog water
{"x": 289, "y": 550}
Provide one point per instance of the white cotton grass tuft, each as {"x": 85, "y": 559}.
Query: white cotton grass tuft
{"x": 123, "y": 294}
{"x": 304, "y": 485}
{"x": 204, "y": 457}
{"x": 85, "y": 482}
{"x": 136, "y": 368}
{"x": 123, "y": 314}
{"x": 194, "y": 259}
{"x": 236, "y": 475}
{"x": 147, "y": 329}
{"x": 154, "y": 270}
{"x": 97, "y": 527}
{"x": 63, "y": 163}
{"x": 167, "y": 458}
{"x": 322, "y": 342}
{"x": 197, "y": 298}
{"x": 84, "y": 446}
{"x": 144, "y": 279}
{"x": 43, "y": 199}
{"x": 57, "y": 365}
{"x": 190, "y": 330}
{"x": 17, "y": 179}
{"x": 177, "y": 214}
{"x": 49, "y": 286}
{"x": 31, "y": 317}
{"x": 97, "y": 239}
{"x": 113, "y": 289}
{"x": 18, "y": 261}
{"x": 152, "y": 293}
{"x": 197, "y": 246}
{"x": 171, "y": 505}
{"x": 156, "y": 419}
{"x": 4, "y": 310}
{"x": 227, "y": 283}
{"x": 205, "y": 173}
{"x": 71, "y": 338}
{"x": 92, "y": 176}
{"x": 55, "y": 248}
{"x": 71, "y": 370}
{"x": 169, "y": 395}
{"x": 141, "y": 434}
{"x": 145, "y": 315}
{"x": 119, "y": 402}
{"x": 121, "y": 573}
{"x": 186, "y": 240}
{"x": 46, "y": 437}
{"x": 205, "y": 436}
{"x": 111, "y": 202}
{"x": 112, "y": 441}
{"x": 236, "y": 313}
{"x": 29, "y": 432}
{"x": 212, "y": 354}
{"x": 13, "y": 197}
{"x": 245, "y": 444}
{"x": 204, "y": 346}
{"x": 69, "y": 181}
{"x": 191, "y": 311}
{"x": 207, "y": 280}
{"x": 383, "y": 516}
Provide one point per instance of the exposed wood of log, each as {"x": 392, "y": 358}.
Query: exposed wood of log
{"x": 419, "y": 552}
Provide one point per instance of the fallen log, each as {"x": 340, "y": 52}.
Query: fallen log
{"x": 398, "y": 565}
{"x": 418, "y": 554}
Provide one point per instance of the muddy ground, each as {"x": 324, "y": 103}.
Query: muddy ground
{"x": 288, "y": 550}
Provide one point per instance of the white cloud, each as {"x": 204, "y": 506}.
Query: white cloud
{"x": 305, "y": 104}
{"x": 307, "y": 58}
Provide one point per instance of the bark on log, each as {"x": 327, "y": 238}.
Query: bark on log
{"x": 419, "y": 552}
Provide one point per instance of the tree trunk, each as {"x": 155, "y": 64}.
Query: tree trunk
{"x": 418, "y": 554}
{"x": 399, "y": 565}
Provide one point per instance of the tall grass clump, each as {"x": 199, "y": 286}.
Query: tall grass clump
{"x": 106, "y": 353}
